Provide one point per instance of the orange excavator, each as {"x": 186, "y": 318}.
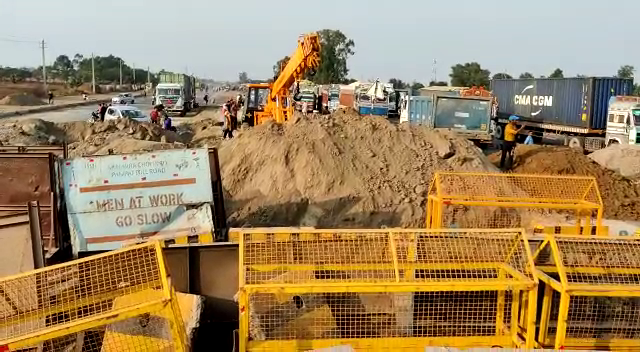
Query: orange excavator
{"x": 273, "y": 100}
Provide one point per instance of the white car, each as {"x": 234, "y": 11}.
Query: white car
{"x": 123, "y": 98}
{"x": 129, "y": 112}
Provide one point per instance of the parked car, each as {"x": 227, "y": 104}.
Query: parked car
{"x": 123, "y": 98}
{"x": 129, "y": 112}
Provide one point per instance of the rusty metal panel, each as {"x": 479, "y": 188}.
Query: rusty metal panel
{"x": 116, "y": 198}
{"x": 15, "y": 240}
{"x": 25, "y": 177}
{"x": 58, "y": 150}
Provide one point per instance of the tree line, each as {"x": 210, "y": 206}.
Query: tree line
{"x": 77, "y": 70}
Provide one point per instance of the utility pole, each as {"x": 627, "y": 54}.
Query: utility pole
{"x": 134, "y": 73}
{"x": 120, "y": 71}
{"x": 148, "y": 75}
{"x": 434, "y": 72}
{"x": 93, "y": 74}
{"x": 44, "y": 68}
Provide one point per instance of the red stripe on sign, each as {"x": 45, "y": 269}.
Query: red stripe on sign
{"x": 105, "y": 181}
{"x": 117, "y": 238}
{"x": 134, "y": 185}
{"x": 68, "y": 163}
{"x": 144, "y": 179}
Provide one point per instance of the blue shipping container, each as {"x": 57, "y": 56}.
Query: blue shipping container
{"x": 574, "y": 102}
{"x": 420, "y": 110}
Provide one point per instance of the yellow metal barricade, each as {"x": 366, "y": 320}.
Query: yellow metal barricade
{"x": 591, "y": 292}
{"x": 495, "y": 200}
{"x": 118, "y": 301}
{"x": 384, "y": 289}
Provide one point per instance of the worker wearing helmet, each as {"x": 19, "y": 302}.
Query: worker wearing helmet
{"x": 510, "y": 133}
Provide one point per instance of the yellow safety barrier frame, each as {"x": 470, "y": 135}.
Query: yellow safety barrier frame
{"x": 497, "y": 200}
{"x": 591, "y": 292}
{"x": 117, "y": 301}
{"x": 389, "y": 289}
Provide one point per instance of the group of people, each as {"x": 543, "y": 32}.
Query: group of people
{"x": 230, "y": 113}
{"x": 160, "y": 117}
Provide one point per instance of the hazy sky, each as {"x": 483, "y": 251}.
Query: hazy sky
{"x": 217, "y": 39}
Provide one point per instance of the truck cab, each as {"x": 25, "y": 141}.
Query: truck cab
{"x": 172, "y": 96}
{"x": 623, "y": 120}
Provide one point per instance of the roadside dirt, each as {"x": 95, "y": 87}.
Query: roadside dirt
{"x": 621, "y": 197}
{"x": 625, "y": 159}
{"x": 21, "y": 99}
{"x": 338, "y": 171}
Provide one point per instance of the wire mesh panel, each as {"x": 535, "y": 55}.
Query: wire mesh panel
{"x": 119, "y": 301}
{"x": 382, "y": 289}
{"x": 494, "y": 200}
{"x": 593, "y": 286}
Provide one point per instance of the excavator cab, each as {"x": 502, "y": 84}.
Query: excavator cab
{"x": 255, "y": 101}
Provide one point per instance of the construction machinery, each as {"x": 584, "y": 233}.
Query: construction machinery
{"x": 273, "y": 100}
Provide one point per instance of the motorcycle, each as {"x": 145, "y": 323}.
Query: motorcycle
{"x": 95, "y": 117}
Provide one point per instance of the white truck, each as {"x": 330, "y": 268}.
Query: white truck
{"x": 176, "y": 92}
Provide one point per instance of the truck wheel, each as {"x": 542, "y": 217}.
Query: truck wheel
{"x": 499, "y": 133}
{"x": 576, "y": 143}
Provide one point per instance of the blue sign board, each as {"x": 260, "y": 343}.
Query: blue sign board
{"x": 116, "y": 198}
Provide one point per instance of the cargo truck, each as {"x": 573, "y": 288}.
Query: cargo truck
{"x": 177, "y": 92}
{"x": 586, "y": 111}
{"x": 467, "y": 116}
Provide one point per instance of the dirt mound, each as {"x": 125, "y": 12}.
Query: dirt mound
{"x": 117, "y": 136}
{"x": 21, "y": 99}
{"x": 84, "y": 138}
{"x": 338, "y": 171}
{"x": 624, "y": 159}
{"x": 620, "y": 196}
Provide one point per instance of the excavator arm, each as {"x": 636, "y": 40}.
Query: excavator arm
{"x": 306, "y": 58}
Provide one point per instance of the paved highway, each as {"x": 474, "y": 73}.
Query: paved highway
{"x": 82, "y": 113}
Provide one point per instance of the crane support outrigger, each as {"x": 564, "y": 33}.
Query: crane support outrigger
{"x": 279, "y": 105}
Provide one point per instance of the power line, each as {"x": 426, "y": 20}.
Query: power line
{"x": 11, "y": 40}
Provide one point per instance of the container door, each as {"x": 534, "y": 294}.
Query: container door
{"x": 420, "y": 108}
{"x": 462, "y": 114}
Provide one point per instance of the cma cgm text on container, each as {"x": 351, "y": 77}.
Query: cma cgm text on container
{"x": 574, "y": 107}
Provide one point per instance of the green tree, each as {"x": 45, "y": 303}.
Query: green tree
{"x": 398, "y": 83}
{"x": 438, "y": 84}
{"x": 416, "y": 85}
{"x": 526, "y": 75}
{"x": 243, "y": 77}
{"x": 335, "y": 50}
{"x": 63, "y": 68}
{"x": 557, "y": 74}
{"x": 502, "y": 76}
{"x": 469, "y": 74}
{"x": 277, "y": 68}
{"x": 626, "y": 71}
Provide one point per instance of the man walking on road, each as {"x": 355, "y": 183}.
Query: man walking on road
{"x": 227, "y": 128}
{"x": 206, "y": 99}
{"x": 509, "y": 142}
{"x": 50, "y": 95}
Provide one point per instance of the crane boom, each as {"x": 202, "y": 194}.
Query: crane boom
{"x": 304, "y": 59}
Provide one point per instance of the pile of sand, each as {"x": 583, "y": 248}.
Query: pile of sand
{"x": 21, "y": 99}
{"x": 117, "y": 137}
{"x": 625, "y": 159}
{"x": 84, "y": 138}
{"x": 338, "y": 171}
{"x": 620, "y": 196}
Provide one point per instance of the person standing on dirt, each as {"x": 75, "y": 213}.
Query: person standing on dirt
{"x": 509, "y": 142}
{"x": 102, "y": 111}
{"x": 50, "y": 95}
{"x": 206, "y": 99}
{"x": 226, "y": 128}
{"x": 234, "y": 115}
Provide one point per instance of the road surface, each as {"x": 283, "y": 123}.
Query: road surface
{"x": 82, "y": 113}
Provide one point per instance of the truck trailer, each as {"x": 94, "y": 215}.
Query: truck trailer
{"x": 467, "y": 116}
{"x": 177, "y": 92}
{"x": 577, "y": 108}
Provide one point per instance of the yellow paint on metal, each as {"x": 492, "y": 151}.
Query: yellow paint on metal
{"x": 384, "y": 289}
{"x": 592, "y": 293}
{"x": 72, "y": 306}
{"x": 496, "y": 200}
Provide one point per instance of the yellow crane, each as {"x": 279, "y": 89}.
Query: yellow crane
{"x": 273, "y": 100}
